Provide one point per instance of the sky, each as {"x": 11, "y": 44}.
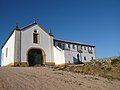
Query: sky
{"x": 95, "y": 22}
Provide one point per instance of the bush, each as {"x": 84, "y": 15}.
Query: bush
{"x": 115, "y": 61}
{"x": 112, "y": 78}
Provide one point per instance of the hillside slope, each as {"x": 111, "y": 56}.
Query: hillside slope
{"x": 107, "y": 67}
{"x": 45, "y": 78}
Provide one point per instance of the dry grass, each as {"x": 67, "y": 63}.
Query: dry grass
{"x": 110, "y": 70}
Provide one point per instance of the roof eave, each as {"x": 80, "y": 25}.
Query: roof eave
{"x": 73, "y": 42}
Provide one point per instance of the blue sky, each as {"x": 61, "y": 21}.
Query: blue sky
{"x": 95, "y": 22}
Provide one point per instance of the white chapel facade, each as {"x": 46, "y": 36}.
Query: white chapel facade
{"x": 32, "y": 45}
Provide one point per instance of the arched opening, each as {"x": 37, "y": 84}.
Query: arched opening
{"x": 78, "y": 58}
{"x": 36, "y": 57}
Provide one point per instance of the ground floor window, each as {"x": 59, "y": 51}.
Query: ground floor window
{"x": 78, "y": 57}
{"x": 92, "y": 58}
{"x": 6, "y": 52}
{"x": 84, "y": 58}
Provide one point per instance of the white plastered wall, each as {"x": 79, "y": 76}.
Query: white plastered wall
{"x": 59, "y": 57}
{"x": 71, "y": 56}
{"x": 27, "y": 42}
{"x": 10, "y": 55}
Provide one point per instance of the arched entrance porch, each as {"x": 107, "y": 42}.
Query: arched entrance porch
{"x": 36, "y": 56}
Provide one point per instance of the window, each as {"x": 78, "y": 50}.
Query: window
{"x": 64, "y": 46}
{"x": 6, "y": 52}
{"x": 77, "y": 47}
{"x": 73, "y": 46}
{"x": 35, "y": 31}
{"x": 81, "y": 47}
{"x": 35, "y": 37}
{"x": 85, "y": 58}
{"x": 68, "y": 45}
{"x": 84, "y": 47}
{"x": 59, "y": 45}
{"x": 78, "y": 57}
{"x": 90, "y": 50}
{"x": 92, "y": 58}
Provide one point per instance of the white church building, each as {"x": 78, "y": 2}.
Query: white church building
{"x": 32, "y": 45}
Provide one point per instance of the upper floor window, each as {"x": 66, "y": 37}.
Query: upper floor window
{"x": 68, "y": 45}
{"x": 78, "y": 47}
{"x": 84, "y": 47}
{"x": 35, "y": 37}
{"x": 73, "y": 46}
{"x": 81, "y": 47}
{"x": 89, "y": 48}
{"x": 64, "y": 45}
{"x": 35, "y": 31}
{"x": 59, "y": 45}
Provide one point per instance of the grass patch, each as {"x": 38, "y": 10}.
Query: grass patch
{"x": 112, "y": 78}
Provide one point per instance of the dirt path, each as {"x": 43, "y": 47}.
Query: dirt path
{"x": 45, "y": 78}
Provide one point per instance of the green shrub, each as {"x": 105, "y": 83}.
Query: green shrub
{"x": 115, "y": 61}
{"x": 112, "y": 78}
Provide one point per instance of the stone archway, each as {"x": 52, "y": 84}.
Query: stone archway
{"x": 36, "y": 57}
